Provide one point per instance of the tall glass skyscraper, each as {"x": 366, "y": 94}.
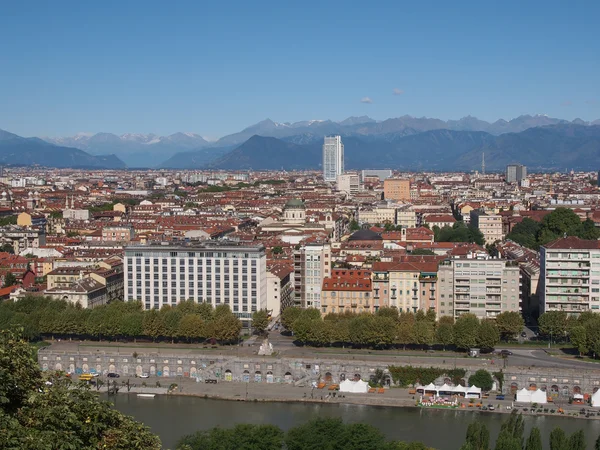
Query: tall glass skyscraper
{"x": 333, "y": 158}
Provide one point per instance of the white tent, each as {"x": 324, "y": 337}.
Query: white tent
{"x": 524, "y": 396}
{"x": 473, "y": 392}
{"x": 431, "y": 388}
{"x": 446, "y": 388}
{"x": 596, "y": 399}
{"x": 539, "y": 396}
{"x": 460, "y": 390}
{"x": 360, "y": 386}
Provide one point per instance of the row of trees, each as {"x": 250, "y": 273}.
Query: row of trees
{"x": 459, "y": 232}
{"x": 37, "y": 416}
{"x": 187, "y": 321}
{"x": 334, "y": 434}
{"x": 387, "y": 327}
{"x": 583, "y": 331}
{"x": 559, "y": 222}
{"x": 512, "y": 437}
{"x": 320, "y": 433}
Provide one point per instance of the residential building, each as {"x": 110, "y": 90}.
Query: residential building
{"x": 76, "y": 214}
{"x": 113, "y": 280}
{"x": 26, "y": 219}
{"x": 347, "y": 290}
{"x": 348, "y": 183}
{"x": 490, "y": 225}
{"x": 87, "y": 292}
{"x": 515, "y": 173}
{"x": 333, "y": 158}
{"x": 22, "y": 238}
{"x": 207, "y": 271}
{"x": 63, "y": 277}
{"x": 117, "y": 233}
{"x": 280, "y": 288}
{"x": 312, "y": 263}
{"x": 570, "y": 276}
{"x": 484, "y": 287}
{"x": 396, "y": 189}
{"x": 406, "y": 216}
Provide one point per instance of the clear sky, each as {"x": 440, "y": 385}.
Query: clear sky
{"x": 215, "y": 67}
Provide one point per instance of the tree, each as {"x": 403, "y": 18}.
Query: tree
{"x": 558, "y": 439}
{"x": 260, "y": 321}
{"x": 510, "y": 324}
{"x": 487, "y": 335}
{"x": 577, "y": 441}
{"x": 511, "y": 433}
{"x": 153, "y": 325}
{"x": 553, "y": 324}
{"x": 277, "y": 250}
{"x": 423, "y": 333}
{"x": 500, "y": 377}
{"x": 534, "y": 442}
{"x": 7, "y": 248}
{"x": 227, "y": 328}
{"x": 444, "y": 334}
{"x": 9, "y": 280}
{"x": 466, "y": 331}
{"x": 478, "y": 437}
{"x": 242, "y": 436}
{"x": 354, "y": 226}
{"x": 62, "y": 415}
{"x": 191, "y": 326}
{"x": 289, "y": 316}
{"x": 578, "y": 338}
{"x": 482, "y": 379}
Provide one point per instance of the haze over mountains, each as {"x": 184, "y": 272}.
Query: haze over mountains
{"x": 404, "y": 142}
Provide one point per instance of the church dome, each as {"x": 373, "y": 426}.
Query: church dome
{"x": 294, "y": 203}
{"x": 365, "y": 235}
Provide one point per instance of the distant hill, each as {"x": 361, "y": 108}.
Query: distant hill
{"x": 19, "y": 151}
{"x": 551, "y": 147}
{"x": 197, "y": 159}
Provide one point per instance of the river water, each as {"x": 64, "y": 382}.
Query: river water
{"x": 172, "y": 417}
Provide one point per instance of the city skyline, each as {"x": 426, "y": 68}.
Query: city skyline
{"x": 174, "y": 75}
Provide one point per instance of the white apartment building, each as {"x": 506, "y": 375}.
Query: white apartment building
{"x": 210, "y": 272}
{"x": 570, "y": 276}
{"x": 312, "y": 263}
{"x": 349, "y": 183}
{"x": 484, "y": 287}
{"x": 490, "y": 225}
{"x": 333, "y": 158}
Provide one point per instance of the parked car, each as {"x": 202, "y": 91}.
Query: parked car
{"x": 523, "y": 334}
{"x": 144, "y": 375}
{"x": 500, "y": 397}
{"x": 211, "y": 381}
{"x": 113, "y": 375}
{"x": 505, "y": 352}
{"x": 491, "y": 407}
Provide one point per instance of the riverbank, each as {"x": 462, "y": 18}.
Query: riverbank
{"x": 394, "y": 397}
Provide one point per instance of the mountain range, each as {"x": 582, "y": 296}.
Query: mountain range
{"x": 20, "y": 151}
{"x": 404, "y": 142}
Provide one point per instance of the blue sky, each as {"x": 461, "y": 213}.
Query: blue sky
{"x": 216, "y": 67}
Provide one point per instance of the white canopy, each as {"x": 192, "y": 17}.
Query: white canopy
{"x": 360, "y": 386}
{"x": 579, "y": 396}
{"x": 446, "y": 388}
{"x": 527, "y": 396}
{"x": 460, "y": 389}
{"x": 596, "y": 399}
{"x": 473, "y": 392}
{"x": 524, "y": 396}
{"x": 430, "y": 387}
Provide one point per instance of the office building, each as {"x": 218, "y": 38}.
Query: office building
{"x": 484, "y": 287}
{"x": 382, "y": 174}
{"x": 211, "y": 272}
{"x": 333, "y": 158}
{"x": 515, "y": 173}
{"x": 570, "y": 276}
{"x": 396, "y": 189}
{"x": 490, "y": 225}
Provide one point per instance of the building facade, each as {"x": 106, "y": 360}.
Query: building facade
{"x": 490, "y": 225}
{"x": 333, "y": 158}
{"x": 484, "y": 287}
{"x": 349, "y": 183}
{"x": 210, "y": 272}
{"x": 570, "y": 276}
{"x": 347, "y": 290}
{"x": 515, "y": 173}
{"x": 396, "y": 189}
{"x": 312, "y": 263}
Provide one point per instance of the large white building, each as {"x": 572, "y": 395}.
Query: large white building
{"x": 333, "y": 158}
{"x": 312, "y": 263}
{"x": 349, "y": 183}
{"x": 570, "y": 276}
{"x": 210, "y": 272}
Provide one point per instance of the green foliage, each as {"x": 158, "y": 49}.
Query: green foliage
{"x": 553, "y": 226}
{"x": 405, "y": 376}
{"x": 354, "y": 226}
{"x": 577, "y": 441}
{"x": 482, "y": 379}
{"x": 510, "y": 324}
{"x": 8, "y": 220}
{"x": 511, "y": 433}
{"x": 277, "y": 250}
{"x": 456, "y": 376}
{"x": 487, "y": 335}
{"x": 534, "y": 442}
{"x": 9, "y": 280}
{"x": 558, "y": 439}
{"x": 35, "y": 416}
{"x": 478, "y": 437}
{"x": 289, "y": 316}
{"x": 459, "y": 232}
{"x": 260, "y": 320}
{"x": 422, "y": 251}
{"x": 466, "y": 331}
{"x": 258, "y": 437}
{"x": 553, "y": 324}
{"x": 500, "y": 377}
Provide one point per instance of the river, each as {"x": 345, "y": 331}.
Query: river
{"x": 172, "y": 417}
